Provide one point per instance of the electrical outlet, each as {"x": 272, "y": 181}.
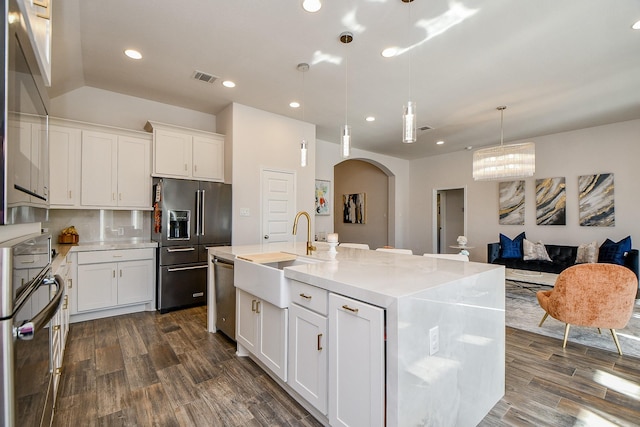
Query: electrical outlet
{"x": 244, "y": 212}
{"x": 434, "y": 341}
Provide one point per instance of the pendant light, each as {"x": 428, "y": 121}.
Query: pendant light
{"x": 345, "y": 132}
{"x": 504, "y": 161}
{"x": 409, "y": 113}
{"x": 303, "y": 67}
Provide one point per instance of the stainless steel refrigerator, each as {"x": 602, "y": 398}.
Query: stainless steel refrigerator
{"x": 189, "y": 216}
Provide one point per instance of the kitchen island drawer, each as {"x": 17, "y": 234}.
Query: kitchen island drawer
{"x": 97, "y": 257}
{"x": 310, "y": 297}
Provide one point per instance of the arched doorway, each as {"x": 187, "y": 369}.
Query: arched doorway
{"x": 360, "y": 181}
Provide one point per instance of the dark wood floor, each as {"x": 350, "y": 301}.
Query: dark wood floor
{"x": 149, "y": 369}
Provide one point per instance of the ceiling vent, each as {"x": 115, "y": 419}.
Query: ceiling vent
{"x": 204, "y": 77}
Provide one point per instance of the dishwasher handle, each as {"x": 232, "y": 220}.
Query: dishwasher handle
{"x": 222, "y": 263}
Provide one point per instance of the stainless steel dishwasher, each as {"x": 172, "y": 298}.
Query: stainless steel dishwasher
{"x": 225, "y": 297}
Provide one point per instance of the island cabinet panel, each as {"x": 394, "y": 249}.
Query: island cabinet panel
{"x": 308, "y": 357}
{"x": 356, "y": 363}
{"x": 261, "y": 328}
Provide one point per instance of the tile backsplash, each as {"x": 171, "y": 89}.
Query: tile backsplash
{"x": 100, "y": 225}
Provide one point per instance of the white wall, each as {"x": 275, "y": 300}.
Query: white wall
{"x": 603, "y": 149}
{"x": 328, "y": 155}
{"x": 88, "y": 104}
{"x": 266, "y": 140}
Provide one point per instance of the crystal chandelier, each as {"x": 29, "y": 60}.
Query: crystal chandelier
{"x": 504, "y": 161}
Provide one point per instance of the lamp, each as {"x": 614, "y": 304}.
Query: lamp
{"x": 345, "y": 131}
{"x": 504, "y": 161}
{"x": 409, "y": 114}
{"x": 303, "y": 67}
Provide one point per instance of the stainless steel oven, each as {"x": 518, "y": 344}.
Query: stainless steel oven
{"x": 24, "y": 130}
{"x": 30, "y": 297}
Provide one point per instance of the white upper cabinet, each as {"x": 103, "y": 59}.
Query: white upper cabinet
{"x": 38, "y": 17}
{"x": 115, "y": 171}
{"x": 186, "y": 153}
{"x": 64, "y": 166}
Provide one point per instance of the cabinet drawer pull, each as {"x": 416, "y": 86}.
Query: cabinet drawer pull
{"x": 353, "y": 310}
{"x": 307, "y": 297}
{"x": 253, "y": 305}
{"x": 319, "y": 343}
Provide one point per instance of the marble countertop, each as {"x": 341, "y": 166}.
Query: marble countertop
{"x": 64, "y": 249}
{"x": 380, "y": 278}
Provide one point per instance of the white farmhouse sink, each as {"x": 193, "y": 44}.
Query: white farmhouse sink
{"x": 266, "y": 280}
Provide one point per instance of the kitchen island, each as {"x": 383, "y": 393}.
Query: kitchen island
{"x": 442, "y": 337}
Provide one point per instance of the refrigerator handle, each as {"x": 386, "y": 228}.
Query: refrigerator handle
{"x": 198, "y": 211}
{"x": 202, "y": 212}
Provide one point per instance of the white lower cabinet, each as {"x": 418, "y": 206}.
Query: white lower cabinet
{"x": 356, "y": 363}
{"x": 308, "y": 355}
{"x": 114, "y": 278}
{"x": 261, "y": 328}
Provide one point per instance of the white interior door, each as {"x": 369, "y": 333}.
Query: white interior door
{"x": 278, "y": 206}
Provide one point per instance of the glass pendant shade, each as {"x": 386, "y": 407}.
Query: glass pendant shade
{"x": 504, "y": 162}
{"x": 345, "y": 138}
{"x": 409, "y": 123}
{"x": 303, "y": 153}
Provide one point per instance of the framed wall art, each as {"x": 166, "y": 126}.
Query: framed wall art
{"x": 323, "y": 189}
{"x": 354, "y": 208}
{"x": 511, "y": 196}
{"x": 595, "y": 200}
{"x": 551, "y": 201}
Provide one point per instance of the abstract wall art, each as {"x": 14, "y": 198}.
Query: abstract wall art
{"x": 595, "y": 200}
{"x": 322, "y": 197}
{"x": 354, "y": 208}
{"x": 511, "y": 209}
{"x": 551, "y": 201}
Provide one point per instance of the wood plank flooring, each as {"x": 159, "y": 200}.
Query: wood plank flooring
{"x": 149, "y": 369}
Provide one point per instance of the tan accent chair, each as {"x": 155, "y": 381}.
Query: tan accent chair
{"x": 592, "y": 295}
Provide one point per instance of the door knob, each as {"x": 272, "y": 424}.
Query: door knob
{"x": 266, "y": 237}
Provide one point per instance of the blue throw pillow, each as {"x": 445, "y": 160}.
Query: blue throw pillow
{"x": 613, "y": 253}
{"x": 511, "y": 248}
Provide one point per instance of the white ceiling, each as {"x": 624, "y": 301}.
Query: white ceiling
{"x": 556, "y": 65}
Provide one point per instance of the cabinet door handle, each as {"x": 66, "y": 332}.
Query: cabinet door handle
{"x": 185, "y": 166}
{"x": 70, "y": 283}
{"x": 113, "y": 196}
{"x": 114, "y": 273}
{"x": 353, "y": 310}
{"x": 253, "y": 305}
{"x": 69, "y": 194}
{"x": 120, "y": 272}
{"x": 307, "y": 297}
{"x": 119, "y": 196}
{"x": 257, "y": 307}
{"x": 319, "y": 343}
{"x": 56, "y": 327}
{"x": 195, "y": 168}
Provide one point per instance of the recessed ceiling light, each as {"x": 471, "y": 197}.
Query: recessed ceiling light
{"x": 228, "y": 83}
{"x": 311, "y": 5}
{"x": 390, "y": 51}
{"x": 294, "y": 104}
{"x": 636, "y": 26}
{"x": 439, "y": 142}
{"x": 133, "y": 54}
{"x": 370, "y": 119}
{"x": 468, "y": 147}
